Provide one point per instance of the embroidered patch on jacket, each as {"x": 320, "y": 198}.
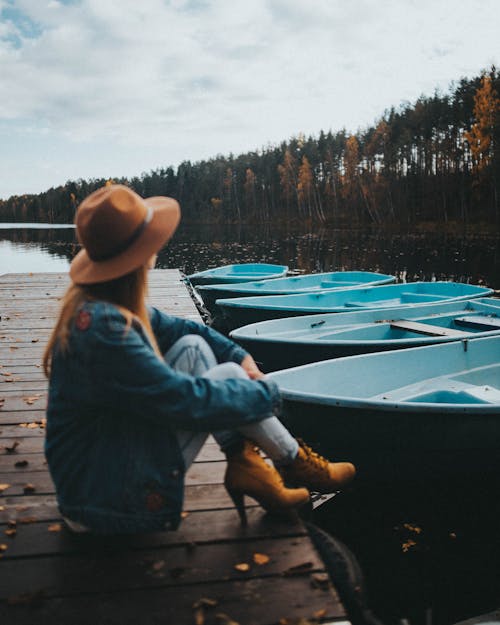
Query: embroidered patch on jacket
{"x": 154, "y": 502}
{"x": 83, "y": 320}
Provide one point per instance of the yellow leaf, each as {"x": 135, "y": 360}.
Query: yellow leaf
{"x": 55, "y": 527}
{"x": 260, "y": 558}
{"x": 243, "y": 566}
{"x": 4, "y": 487}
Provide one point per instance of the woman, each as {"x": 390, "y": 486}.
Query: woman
{"x": 133, "y": 392}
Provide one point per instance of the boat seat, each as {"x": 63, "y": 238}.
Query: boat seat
{"x": 426, "y": 328}
{"x": 486, "y": 393}
{"x": 384, "y": 303}
{"x": 337, "y": 283}
{"x": 479, "y": 322}
{"x": 408, "y": 297}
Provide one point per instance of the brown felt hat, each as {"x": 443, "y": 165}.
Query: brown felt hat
{"x": 120, "y": 231}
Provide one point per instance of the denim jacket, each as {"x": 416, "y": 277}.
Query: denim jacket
{"x": 114, "y": 407}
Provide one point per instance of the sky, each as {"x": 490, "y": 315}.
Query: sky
{"x": 111, "y": 88}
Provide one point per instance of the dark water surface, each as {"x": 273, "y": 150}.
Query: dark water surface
{"x": 430, "y": 554}
{"x": 410, "y": 256}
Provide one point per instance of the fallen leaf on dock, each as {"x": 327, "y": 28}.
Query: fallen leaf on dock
{"x": 3, "y": 547}
{"x": 55, "y": 527}
{"x": 205, "y": 602}
{"x": 28, "y": 488}
{"x": 199, "y": 616}
{"x": 10, "y": 532}
{"x": 158, "y": 565}
{"x": 261, "y": 558}
{"x": 412, "y": 528}
{"x": 26, "y": 520}
{"x": 320, "y": 580}
{"x": 12, "y": 448}
{"x": 224, "y": 619}
{"x": 243, "y": 566}
{"x": 406, "y": 546}
{"x": 20, "y": 464}
{"x": 31, "y": 400}
{"x": 4, "y": 487}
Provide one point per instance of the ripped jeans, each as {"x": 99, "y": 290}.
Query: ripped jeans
{"x": 192, "y": 354}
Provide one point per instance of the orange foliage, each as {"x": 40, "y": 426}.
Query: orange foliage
{"x": 480, "y": 136}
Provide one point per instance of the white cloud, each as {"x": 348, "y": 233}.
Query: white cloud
{"x": 193, "y": 78}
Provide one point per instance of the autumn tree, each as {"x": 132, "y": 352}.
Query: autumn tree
{"x": 350, "y": 182}
{"x": 249, "y": 189}
{"x": 480, "y": 137}
{"x": 288, "y": 178}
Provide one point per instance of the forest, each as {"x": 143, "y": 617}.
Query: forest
{"x": 434, "y": 161}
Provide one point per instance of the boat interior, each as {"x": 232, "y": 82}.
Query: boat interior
{"x": 478, "y": 386}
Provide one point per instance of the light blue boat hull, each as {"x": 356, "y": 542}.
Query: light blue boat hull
{"x": 242, "y": 311}
{"x": 420, "y": 413}
{"x": 244, "y": 272}
{"x": 294, "y": 284}
{"x": 294, "y": 341}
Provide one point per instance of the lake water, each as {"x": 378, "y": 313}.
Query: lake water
{"x": 409, "y": 256}
{"x": 446, "y": 571}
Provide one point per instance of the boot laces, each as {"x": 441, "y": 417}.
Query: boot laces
{"x": 313, "y": 457}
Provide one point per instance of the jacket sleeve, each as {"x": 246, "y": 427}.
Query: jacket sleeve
{"x": 168, "y": 329}
{"x": 129, "y": 376}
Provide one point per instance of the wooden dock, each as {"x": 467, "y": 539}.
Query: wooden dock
{"x": 210, "y": 571}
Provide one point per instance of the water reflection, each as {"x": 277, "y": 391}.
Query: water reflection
{"x": 26, "y": 249}
{"x": 412, "y": 256}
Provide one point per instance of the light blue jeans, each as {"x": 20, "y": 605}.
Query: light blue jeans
{"x": 192, "y": 354}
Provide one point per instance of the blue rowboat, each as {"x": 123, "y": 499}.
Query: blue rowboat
{"x": 241, "y": 311}
{"x": 418, "y": 413}
{"x": 294, "y": 341}
{"x": 294, "y": 284}
{"x": 244, "y": 272}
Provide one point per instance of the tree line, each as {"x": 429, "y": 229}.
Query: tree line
{"x": 436, "y": 160}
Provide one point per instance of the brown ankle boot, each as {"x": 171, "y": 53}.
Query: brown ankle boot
{"x": 249, "y": 474}
{"x": 311, "y": 470}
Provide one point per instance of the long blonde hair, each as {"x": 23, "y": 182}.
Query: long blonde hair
{"x": 128, "y": 293}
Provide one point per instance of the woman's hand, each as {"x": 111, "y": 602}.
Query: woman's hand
{"x": 250, "y": 366}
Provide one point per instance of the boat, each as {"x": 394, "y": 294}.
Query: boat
{"x": 294, "y": 341}
{"x": 427, "y": 413}
{"x": 294, "y": 284}
{"x": 240, "y": 311}
{"x": 243, "y": 272}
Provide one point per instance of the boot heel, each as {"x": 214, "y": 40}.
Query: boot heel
{"x": 239, "y": 503}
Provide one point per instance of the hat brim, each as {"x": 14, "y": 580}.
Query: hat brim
{"x": 166, "y": 217}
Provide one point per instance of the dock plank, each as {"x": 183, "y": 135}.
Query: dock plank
{"x": 51, "y": 575}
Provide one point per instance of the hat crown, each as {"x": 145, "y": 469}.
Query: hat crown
{"x": 108, "y": 220}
